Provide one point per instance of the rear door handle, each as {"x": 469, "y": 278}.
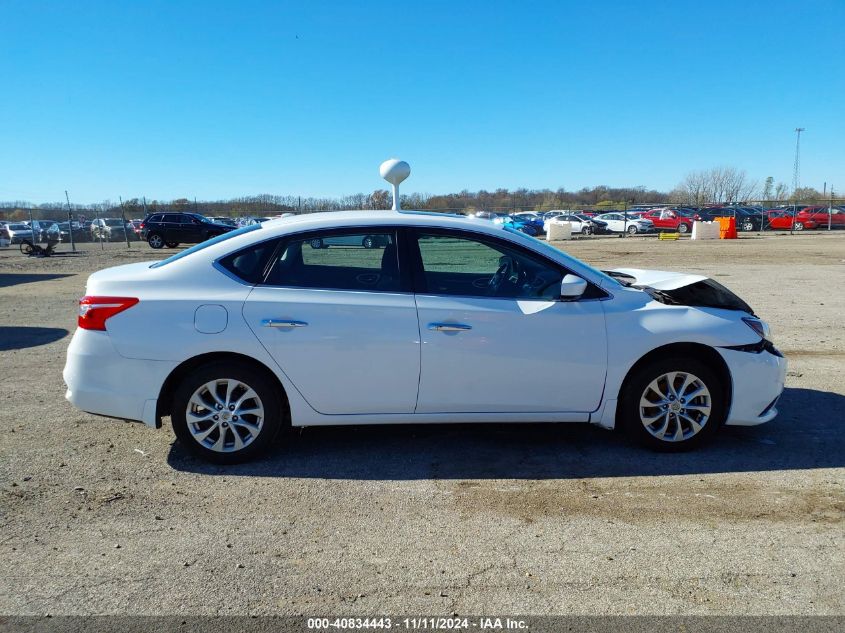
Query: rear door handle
{"x": 449, "y": 327}
{"x": 282, "y": 323}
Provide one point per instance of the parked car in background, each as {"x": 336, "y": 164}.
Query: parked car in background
{"x": 671, "y": 220}
{"x": 255, "y": 331}
{"x": 819, "y": 214}
{"x": 172, "y": 229}
{"x": 534, "y": 219}
{"x": 220, "y": 219}
{"x": 746, "y": 219}
{"x": 359, "y": 241}
{"x": 580, "y": 223}
{"x": 618, "y": 223}
{"x": 783, "y": 221}
{"x": 18, "y": 232}
{"x": 110, "y": 229}
{"x": 80, "y": 233}
{"x": 5, "y": 238}
{"x": 514, "y": 222}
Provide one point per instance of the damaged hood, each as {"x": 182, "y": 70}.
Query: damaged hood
{"x": 681, "y": 289}
{"x": 657, "y": 279}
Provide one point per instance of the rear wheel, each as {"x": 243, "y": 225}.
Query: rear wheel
{"x": 227, "y": 412}
{"x": 683, "y": 228}
{"x": 316, "y": 243}
{"x": 799, "y": 226}
{"x": 155, "y": 240}
{"x": 368, "y": 242}
{"x": 673, "y": 404}
{"x": 747, "y": 226}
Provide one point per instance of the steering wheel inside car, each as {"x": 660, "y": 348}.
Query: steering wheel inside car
{"x": 507, "y": 273}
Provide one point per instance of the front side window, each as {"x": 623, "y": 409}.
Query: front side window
{"x": 477, "y": 267}
{"x": 171, "y": 217}
{"x": 339, "y": 260}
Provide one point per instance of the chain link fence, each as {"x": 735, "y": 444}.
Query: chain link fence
{"x": 74, "y": 225}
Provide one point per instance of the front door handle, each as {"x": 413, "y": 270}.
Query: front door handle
{"x": 282, "y": 323}
{"x": 449, "y": 327}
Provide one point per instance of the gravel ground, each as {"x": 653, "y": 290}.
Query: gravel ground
{"x": 101, "y": 516}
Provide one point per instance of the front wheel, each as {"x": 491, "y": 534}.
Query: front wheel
{"x": 227, "y": 412}
{"x": 632, "y": 230}
{"x": 799, "y": 226}
{"x": 368, "y": 242}
{"x": 27, "y": 247}
{"x": 672, "y": 404}
{"x": 155, "y": 240}
{"x": 316, "y": 243}
{"x": 747, "y": 226}
{"x": 683, "y": 228}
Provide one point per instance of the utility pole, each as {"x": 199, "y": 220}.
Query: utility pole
{"x": 796, "y": 173}
{"x": 69, "y": 223}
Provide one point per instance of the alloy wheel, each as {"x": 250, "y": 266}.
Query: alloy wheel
{"x": 675, "y": 406}
{"x": 225, "y": 415}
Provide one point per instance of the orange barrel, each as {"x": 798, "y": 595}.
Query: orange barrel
{"x": 727, "y": 228}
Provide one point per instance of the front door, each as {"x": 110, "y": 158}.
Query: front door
{"x": 341, "y": 322}
{"x": 495, "y": 335}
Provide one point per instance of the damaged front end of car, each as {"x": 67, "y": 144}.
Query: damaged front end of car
{"x": 681, "y": 289}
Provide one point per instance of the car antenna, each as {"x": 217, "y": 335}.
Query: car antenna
{"x": 395, "y": 171}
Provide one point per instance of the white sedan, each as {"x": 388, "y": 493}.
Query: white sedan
{"x": 444, "y": 319}
{"x": 618, "y": 223}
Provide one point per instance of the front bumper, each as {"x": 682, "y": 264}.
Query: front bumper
{"x": 101, "y": 381}
{"x": 758, "y": 380}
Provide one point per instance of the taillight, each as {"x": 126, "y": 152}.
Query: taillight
{"x": 95, "y": 311}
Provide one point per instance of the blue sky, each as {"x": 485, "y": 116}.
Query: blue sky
{"x": 216, "y": 99}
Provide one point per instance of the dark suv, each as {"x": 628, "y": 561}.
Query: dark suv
{"x": 172, "y": 229}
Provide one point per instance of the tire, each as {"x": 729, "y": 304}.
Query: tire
{"x": 155, "y": 240}
{"x": 799, "y": 226}
{"x": 316, "y": 243}
{"x": 747, "y": 226}
{"x": 214, "y": 440}
{"x": 27, "y": 248}
{"x": 649, "y": 383}
{"x": 683, "y": 229}
{"x": 171, "y": 244}
{"x": 368, "y": 242}
{"x": 587, "y": 230}
{"x": 632, "y": 230}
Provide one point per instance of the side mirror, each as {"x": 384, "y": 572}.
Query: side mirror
{"x": 572, "y": 287}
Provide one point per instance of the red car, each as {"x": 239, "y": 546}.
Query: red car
{"x": 782, "y": 221}
{"x": 670, "y": 220}
{"x": 819, "y": 215}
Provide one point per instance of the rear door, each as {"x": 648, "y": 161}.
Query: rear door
{"x": 341, "y": 322}
{"x": 170, "y": 227}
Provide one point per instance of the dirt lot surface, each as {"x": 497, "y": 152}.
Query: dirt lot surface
{"x": 101, "y": 516}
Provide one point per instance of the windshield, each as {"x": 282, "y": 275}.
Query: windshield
{"x": 545, "y": 247}
{"x": 206, "y": 244}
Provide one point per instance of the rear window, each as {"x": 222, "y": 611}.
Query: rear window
{"x": 206, "y": 244}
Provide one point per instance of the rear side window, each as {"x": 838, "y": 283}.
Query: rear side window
{"x": 352, "y": 260}
{"x": 250, "y": 264}
{"x": 203, "y": 245}
{"x": 154, "y": 218}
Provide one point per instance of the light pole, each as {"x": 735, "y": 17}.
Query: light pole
{"x": 796, "y": 174}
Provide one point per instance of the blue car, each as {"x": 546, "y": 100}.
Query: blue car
{"x": 523, "y": 224}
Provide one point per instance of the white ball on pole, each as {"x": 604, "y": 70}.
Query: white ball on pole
{"x": 395, "y": 171}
